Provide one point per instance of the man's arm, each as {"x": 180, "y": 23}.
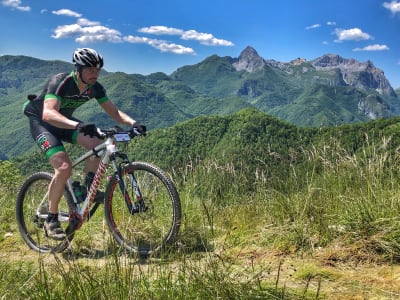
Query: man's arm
{"x": 52, "y": 115}
{"x": 117, "y": 115}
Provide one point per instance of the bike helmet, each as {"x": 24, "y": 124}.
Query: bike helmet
{"x": 86, "y": 57}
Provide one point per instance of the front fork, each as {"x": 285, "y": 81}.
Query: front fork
{"x": 137, "y": 205}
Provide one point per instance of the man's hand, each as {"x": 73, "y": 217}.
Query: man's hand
{"x": 140, "y": 128}
{"x": 88, "y": 129}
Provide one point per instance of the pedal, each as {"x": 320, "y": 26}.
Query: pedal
{"x": 38, "y": 221}
{"x": 75, "y": 222}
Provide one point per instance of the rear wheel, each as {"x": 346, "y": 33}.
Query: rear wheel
{"x": 157, "y": 220}
{"x": 32, "y": 210}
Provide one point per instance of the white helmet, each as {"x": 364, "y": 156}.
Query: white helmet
{"x": 86, "y": 57}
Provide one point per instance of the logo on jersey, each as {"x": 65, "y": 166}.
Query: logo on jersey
{"x": 74, "y": 103}
{"x": 43, "y": 142}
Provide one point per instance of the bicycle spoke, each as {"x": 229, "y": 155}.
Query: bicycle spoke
{"x": 32, "y": 202}
{"x": 147, "y": 230}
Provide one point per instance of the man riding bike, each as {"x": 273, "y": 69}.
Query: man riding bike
{"x": 51, "y": 123}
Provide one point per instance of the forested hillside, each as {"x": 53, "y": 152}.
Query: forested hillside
{"x": 248, "y": 138}
{"x": 300, "y": 93}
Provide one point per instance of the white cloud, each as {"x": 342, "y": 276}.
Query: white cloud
{"x": 136, "y": 39}
{"x": 173, "y": 48}
{"x": 15, "y": 4}
{"x": 161, "y": 45}
{"x": 204, "y": 38}
{"x": 86, "y": 31}
{"x": 375, "y": 47}
{"x": 66, "y": 12}
{"x": 98, "y": 33}
{"x": 313, "y": 26}
{"x": 354, "y": 34}
{"x": 161, "y": 30}
{"x": 86, "y": 22}
{"x": 65, "y": 31}
{"x": 331, "y": 23}
{"x": 393, "y": 6}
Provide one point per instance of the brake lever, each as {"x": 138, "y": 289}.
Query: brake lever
{"x": 101, "y": 133}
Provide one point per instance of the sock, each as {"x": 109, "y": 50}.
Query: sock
{"x": 52, "y": 217}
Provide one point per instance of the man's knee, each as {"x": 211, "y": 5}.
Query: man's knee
{"x": 61, "y": 163}
{"x": 88, "y": 142}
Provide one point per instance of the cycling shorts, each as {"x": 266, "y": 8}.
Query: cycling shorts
{"x": 49, "y": 138}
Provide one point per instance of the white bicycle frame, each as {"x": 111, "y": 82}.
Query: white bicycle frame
{"x": 104, "y": 150}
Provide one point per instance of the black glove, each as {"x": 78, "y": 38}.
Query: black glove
{"x": 88, "y": 129}
{"x": 140, "y": 128}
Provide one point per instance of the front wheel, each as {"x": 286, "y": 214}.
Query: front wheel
{"x": 32, "y": 210}
{"x": 156, "y": 220}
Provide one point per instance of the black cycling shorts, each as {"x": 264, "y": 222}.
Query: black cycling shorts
{"x": 49, "y": 138}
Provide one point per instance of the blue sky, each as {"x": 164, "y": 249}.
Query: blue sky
{"x": 146, "y": 36}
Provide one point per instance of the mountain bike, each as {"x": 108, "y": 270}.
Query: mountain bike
{"x": 142, "y": 208}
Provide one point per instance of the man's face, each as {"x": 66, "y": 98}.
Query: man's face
{"x": 90, "y": 74}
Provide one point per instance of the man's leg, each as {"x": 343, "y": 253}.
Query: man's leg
{"x": 89, "y": 143}
{"x": 62, "y": 170}
{"x": 92, "y": 163}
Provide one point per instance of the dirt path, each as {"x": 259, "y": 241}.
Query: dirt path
{"x": 333, "y": 272}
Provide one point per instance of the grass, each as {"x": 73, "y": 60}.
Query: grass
{"x": 329, "y": 230}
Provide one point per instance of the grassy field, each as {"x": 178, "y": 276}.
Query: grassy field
{"x": 329, "y": 230}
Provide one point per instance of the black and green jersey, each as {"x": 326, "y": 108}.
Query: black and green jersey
{"x": 64, "y": 88}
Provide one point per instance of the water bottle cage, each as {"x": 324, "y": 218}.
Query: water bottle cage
{"x": 79, "y": 191}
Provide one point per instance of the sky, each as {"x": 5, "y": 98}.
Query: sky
{"x": 147, "y": 36}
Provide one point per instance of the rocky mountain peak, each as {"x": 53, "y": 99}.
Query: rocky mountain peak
{"x": 362, "y": 75}
{"x": 249, "y": 60}
{"x": 355, "y": 73}
{"x": 298, "y": 61}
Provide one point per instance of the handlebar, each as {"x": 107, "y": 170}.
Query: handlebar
{"x": 110, "y": 132}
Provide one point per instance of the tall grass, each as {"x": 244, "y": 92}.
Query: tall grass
{"x": 122, "y": 278}
{"x": 331, "y": 194}
{"x": 327, "y": 197}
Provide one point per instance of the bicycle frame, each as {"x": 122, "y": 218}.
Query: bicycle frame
{"x": 107, "y": 151}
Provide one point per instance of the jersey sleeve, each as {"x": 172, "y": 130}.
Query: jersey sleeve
{"x": 52, "y": 96}
{"x": 100, "y": 95}
{"x": 53, "y": 86}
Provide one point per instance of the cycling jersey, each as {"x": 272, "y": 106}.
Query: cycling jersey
{"x": 64, "y": 88}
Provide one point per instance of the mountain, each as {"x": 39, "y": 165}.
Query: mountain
{"x": 361, "y": 75}
{"x": 327, "y": 91}
{"x": 156, "y": 100}
{"x": 351, "y": 72}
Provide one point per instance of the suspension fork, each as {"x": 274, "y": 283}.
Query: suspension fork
{"x": 133, "y": 206}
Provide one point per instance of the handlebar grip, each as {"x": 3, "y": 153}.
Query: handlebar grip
{"x": 135, "y": 132}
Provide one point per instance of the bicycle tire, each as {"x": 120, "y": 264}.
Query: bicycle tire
{"x": 30, "y": 224}
{"x": 148, "y": 231}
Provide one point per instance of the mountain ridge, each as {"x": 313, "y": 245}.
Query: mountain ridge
{"x": 301, "y": 92}
{"x": 250, "y": 61}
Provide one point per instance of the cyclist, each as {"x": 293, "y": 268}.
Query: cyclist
{"x": 51, "y": 123}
